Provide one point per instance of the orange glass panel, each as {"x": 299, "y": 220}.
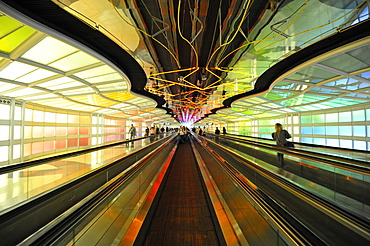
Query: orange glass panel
{"x": 84, "y": 119}
{"x": 60, "y": 144}
{"x": 37, "y": 147}
{"x": 27, "y": 149}
{"x": 49, "y": 131}
{"x": 84, "y": 130}
{"x": 73, "y": 118}
{"x": 72, "y": 130}
{"x": 84, "y": 141}
{"x": 37, "y": 132}
{"x": 49, "y": 145}
{"x": 73, "y": 142}
{"x": 61, "y": 131}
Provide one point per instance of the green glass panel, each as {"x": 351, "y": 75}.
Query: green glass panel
{"x": 319, "y": 118}
{"x": 11, "y": 41}
{"x": 306, "y": 119}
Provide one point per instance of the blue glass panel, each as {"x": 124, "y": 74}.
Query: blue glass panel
{"x": 368, "y": 131}
{"x": 319, "y": 130}
{"x": 306, "y": 130}
{"x": 359, "y": 145}
{"x": 345, "y": 130}
{"x": 367, "y": 114}
{"x": 359, "y": 131}
{"x": 306, "y": 140}
{"x": 345, "y": 143}
{"x": 332, "y": 130}
{"x": 319, "y": 141}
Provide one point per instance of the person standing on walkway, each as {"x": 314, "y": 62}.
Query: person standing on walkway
{"x": 223, "y": 130}
{"x": 217, "y": 132}
{"x": 280, "y": 136}
{"x": 132, "y": 133}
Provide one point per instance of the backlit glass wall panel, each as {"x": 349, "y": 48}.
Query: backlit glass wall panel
{"x": 30, "y": 131}
{"x": 347, "y": 127}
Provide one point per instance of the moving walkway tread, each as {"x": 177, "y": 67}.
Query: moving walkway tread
{"x": 182, "y": 215}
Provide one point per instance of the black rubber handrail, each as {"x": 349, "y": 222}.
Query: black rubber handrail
{"x": 26, "y": 164}
{"x": 310, "y": 145}
{"x": 341, "y": 162}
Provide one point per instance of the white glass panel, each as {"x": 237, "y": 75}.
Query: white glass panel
{"x": 5, "y": 112}
{"x": 38, "y": 116}
{"x": 15, "y": 70}
{"x": 28, "y": 114}
{"x": 23, "y": 92}
{"x": 98, "y": 71}
{"x": 49, "y": 117}
{"x": 17, "y": 113}
{"x": 17, "y": 132}
{"x": 345, "y": 143}
{"x": 60, "y": 83}
{"x": 36, "y": 75}
{"x": 332, "y": 117}
{"x": 4, "y": 153}
{"x": 49, "y": 50}
{"x": 361, "y": 145}
{"x": 4, "y": 132}
{"x": 345, "y": 117}
{"x": 358, "y": 115}
{"x": 332, "y": 142}
{"x": 44, "y": 96}
{"x": 16, "y": 151}
{"x": 61, "y": 118}
{"x": 6, "y": 86}
{"x": 111, "y": 77}
{"x": 74, "y": 61}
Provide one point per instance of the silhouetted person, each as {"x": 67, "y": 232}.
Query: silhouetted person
{"x": 280, "y": 136}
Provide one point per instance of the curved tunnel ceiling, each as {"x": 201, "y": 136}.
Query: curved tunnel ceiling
{"x": 202, "y": 57}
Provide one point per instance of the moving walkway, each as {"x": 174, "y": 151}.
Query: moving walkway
{"x": 247, "y": 201}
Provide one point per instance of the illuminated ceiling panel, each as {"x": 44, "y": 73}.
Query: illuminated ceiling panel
{"x": 45, "y": 69}
{"x": 94, "y": 100}
{"x": 41, "y": 51}
{"x": 12, "y": 34}
{"x": 342, "y": 79}
{"x": 120, "y": 96}
{"x": 66, "y": 104}
{"x": 74, "y": 61}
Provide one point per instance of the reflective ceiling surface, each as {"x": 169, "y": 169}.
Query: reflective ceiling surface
{"x": 209, "y": 60}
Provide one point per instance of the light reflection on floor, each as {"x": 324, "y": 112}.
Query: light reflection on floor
{"x": 18, "y": 186}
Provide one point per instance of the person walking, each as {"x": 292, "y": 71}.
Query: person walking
{"x": 280, "y": 136}
{"x": 223, "y": 130}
